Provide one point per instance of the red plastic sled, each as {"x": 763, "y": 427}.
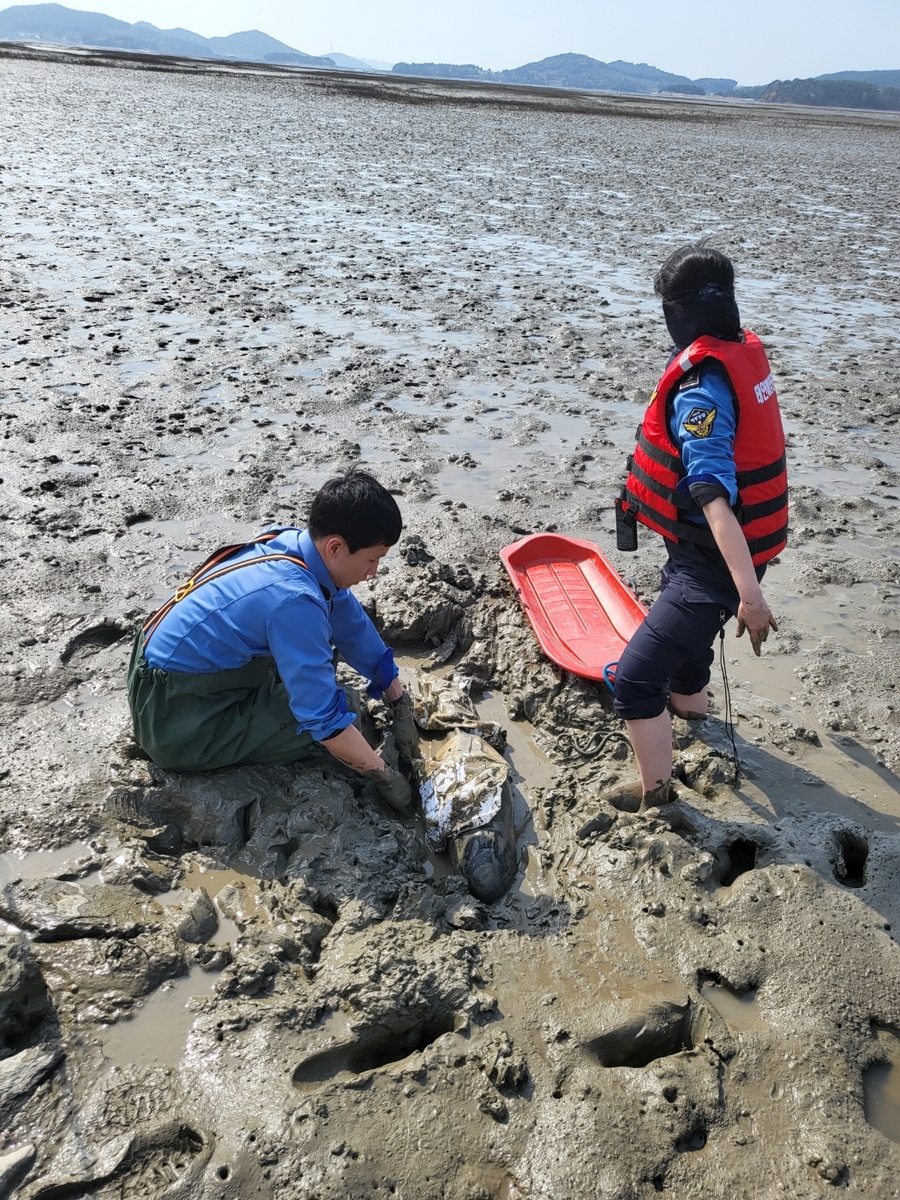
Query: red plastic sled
{"x": 582, "y": 614}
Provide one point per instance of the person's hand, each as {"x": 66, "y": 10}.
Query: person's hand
{"x": 392, "y": 787}
{"x": 756, "y": 617}
{"x": 403, "y": 724}
{"x": 388, "y": 752}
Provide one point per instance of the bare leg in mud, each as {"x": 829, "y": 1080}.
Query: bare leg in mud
{"x": 651, "y": 740}
{"x": 689, "y": 708}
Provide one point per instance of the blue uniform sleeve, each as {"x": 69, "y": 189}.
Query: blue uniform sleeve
{"x": 299, "y": 637}
{"x": 359, "y": 642}
{"x": 703, "y": 424}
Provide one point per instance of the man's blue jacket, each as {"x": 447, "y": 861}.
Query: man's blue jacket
{"x": 278, "y": 609}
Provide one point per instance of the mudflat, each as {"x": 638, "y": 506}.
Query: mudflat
{"x": 220, "y": 286}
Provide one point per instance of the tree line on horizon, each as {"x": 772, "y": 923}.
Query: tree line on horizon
{"x": 580, "y": 71}
{"x": 830, "y": 93}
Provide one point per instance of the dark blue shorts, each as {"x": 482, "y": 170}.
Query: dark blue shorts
{"x": 672, "y": 651}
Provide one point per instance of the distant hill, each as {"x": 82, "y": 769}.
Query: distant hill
{"x": 827, "y": 93}
{"x": 253, "y": 46}
{"x": 840, "y": 93}
{"x": 571, "y": 71}
{"x": 378, "y": 64}
{"x": 580, "y": 71}
{"x": 444, "y": 71}
{"x": 139, "y": 28}
{"x": 346, "y": 62}
{"x": 717, "y": 87}
{"x": 889, "y": 79}
{"x": 70, "y": 27}
{"x": 684, "y": 89}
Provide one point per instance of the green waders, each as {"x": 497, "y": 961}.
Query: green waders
{"x": 189, "y": 722}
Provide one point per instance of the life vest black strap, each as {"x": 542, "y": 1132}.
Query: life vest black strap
{"x": 670, "y": 461}
{"x": 760, "y": 544}
{"x": 744, "y": 513}
{"x": 659, "y": 489}
{"x": 761, "y": 474}
{"x": 684, "y": 531}
{"x": 765, "y": 508}
{"x": 673, "y": 463}
{"x": 701, "y": 535}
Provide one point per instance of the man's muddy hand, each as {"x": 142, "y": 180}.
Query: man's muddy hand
{"x": 756, "y": 618}
{"x": 404, "y": 728}
{"x": 392, "y": 787}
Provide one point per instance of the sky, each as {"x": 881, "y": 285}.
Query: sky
{"x": 770, "y": 39}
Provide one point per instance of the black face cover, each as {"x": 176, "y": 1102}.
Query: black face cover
{"x": 709, "y": 311}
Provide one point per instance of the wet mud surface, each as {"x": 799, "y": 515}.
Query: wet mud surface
{"x": 218, "y": 289}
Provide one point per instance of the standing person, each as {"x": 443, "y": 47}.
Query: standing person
{"x": 238, "y": 666}
{"x": 708, "y": 473}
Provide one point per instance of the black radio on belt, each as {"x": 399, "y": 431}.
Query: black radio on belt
{"x": 626, "y": 525}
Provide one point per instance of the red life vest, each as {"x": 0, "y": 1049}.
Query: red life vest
{"x": 655, "y": 468}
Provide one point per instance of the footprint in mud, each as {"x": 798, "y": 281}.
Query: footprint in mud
{"x": 737, "y": 858}
{"x": 646, "y": 1034}
{"x": 93, "y": 639}
{"x": 881, "y": 1085}
{"x": 850, "y": 855}
{"x": 370, "y": 1051}
{"x": 165, "y": 1160}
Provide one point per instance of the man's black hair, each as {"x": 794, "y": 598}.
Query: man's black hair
{"x": 357, "y": 508}
{"x": 690, "y": 268}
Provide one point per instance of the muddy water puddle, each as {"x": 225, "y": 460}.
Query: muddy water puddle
{"x": 882, "y": 1091}
{"x": 140, "y": 368}
{"x": 842, "y": 773}
{"x": 530, "y": 765}
{"x": 79, "y": 702}
{"x": 881, "y": 1088}
{"x": 837, "y": 776}
{"x": 204, "y": 460}
{"x": 227, "y": 932}
{"x": 74, "y": 861}
{"x": 817, "y": 316}
{"x": 243, "y": 902}
{"x": 188, "y": 543}
{"x": 825, "y": 460}
{"x": 578, "y": 981}
{"x": 157, "y": 1034}
{"x": 533, "y": 891}
{"x": 739, "y": 1011}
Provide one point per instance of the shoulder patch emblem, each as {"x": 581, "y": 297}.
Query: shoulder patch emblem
{"x": 699, "y": 422}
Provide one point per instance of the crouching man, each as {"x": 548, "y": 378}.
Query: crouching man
{"x": 238, "y": 666}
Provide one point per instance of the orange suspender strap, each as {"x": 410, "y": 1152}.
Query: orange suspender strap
{"x": 206, "y": 574}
